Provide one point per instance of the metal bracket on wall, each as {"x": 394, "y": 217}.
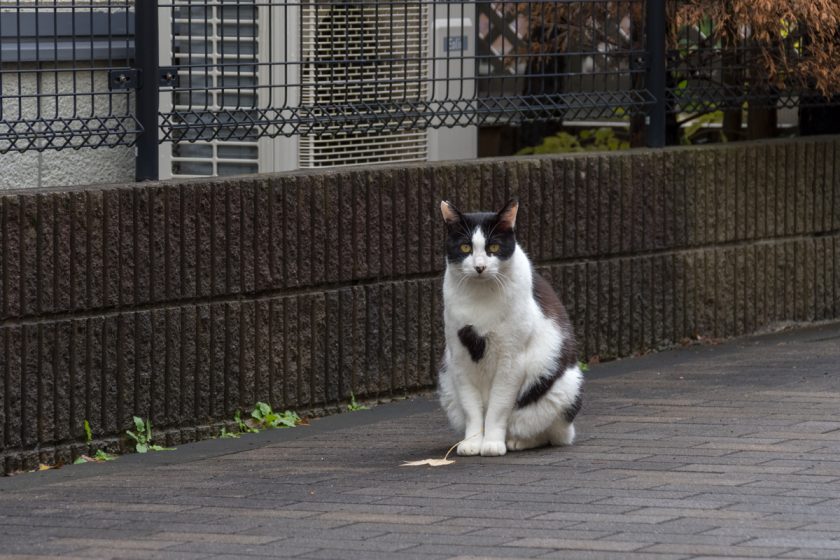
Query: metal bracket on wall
{"x": 123, "y": 78}
{"x": 168, "y": 77}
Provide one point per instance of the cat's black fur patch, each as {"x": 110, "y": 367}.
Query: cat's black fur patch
{"x": 461, "y": 232}
{"x": 474, "y": 344}
{"x": 551, "y": 307}
{"x": 571, "y": 413}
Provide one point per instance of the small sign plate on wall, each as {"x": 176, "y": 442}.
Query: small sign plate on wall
{"x": 455, "y": 43}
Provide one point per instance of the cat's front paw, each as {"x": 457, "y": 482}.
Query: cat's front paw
{"x": 469, "y": 447}
{"x": 493, "y": 448}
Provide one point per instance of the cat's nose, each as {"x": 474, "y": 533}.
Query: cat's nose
{"x": 480, "y": 269}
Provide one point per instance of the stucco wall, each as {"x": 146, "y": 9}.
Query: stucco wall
{"x": 51, "y": 168}
{"x": 184, "y": 301}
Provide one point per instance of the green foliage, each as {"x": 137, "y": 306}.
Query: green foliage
{"x": 244, "y": 428}
{"x": 143, "y": 437}
{"x": 698, "y": 123}
{"x": 354, "y": 406}
{"x": 583, "y": 366}
{"x": 224, "y": 434}
{"x": 99, "y": 457}
{"x": 591, "y": 140}
{"x": 88, "y": 432}
{"x": 267, "y": 418}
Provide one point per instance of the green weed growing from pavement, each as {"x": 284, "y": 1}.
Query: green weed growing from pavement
{"x": 224, "y": 434}
{"x": 354, "y": 406}
{"x": 99, "y": 457}
{"x": 143, "y": 437}
{"x": 262, "y": 417}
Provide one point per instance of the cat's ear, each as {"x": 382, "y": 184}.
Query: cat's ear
{"x": 451, "y": 215}
{"x": 507, "y": 215}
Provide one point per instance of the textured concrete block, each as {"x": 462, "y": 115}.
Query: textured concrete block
{"x": 793, "y": 195}
{"x": 277, "y": 229}
{"x": 62, "y": 380}
{"x": 261, "y": 337}
{"x": 291, "y": 373}
{"x": 334, "y": 241}
{"x": 142, "y": 238}
{"x": 356, "y": 196}
{"x": 30, "y": 277}
{"x": 315, "y": 233}
{"x": 543, "y": 183}
{"x": 427, "y": 363}
{"x": 233, "y": 374}
{"x": 415, "y": 208}
{"x": 160, "y": 266}
{"x": 736, "y": 192}
{"x": 184, "y": 239}
{"x": 370, "y": 210}
{"x": 219, "y": 239}
{"x": 806, "y": 167}
{"x": 11, "y": 339}
{"x": 519, "y": 176}
{"x": 247, "y": 358}
{"x": 277, "y": 343}
{"x": 159, "y": 362}
{"x": 11, "y": 256}
{"x": 125, "y": 246}
{"x": 144, "y": 375}
{"x": 305, "y": 349}
{"x": 347, "y": 343}
{"x": 236, "y": 242}
{"x": 217, "y": 367}
{"x": 331, "y": 355}
{"x": 248, "y": 256}
{"x": 126, "y": 370}
{"x": 371, "y": 373}
{"x": 45, "y": 258}
{"x": 65, "y": 262}
{"x": 411, "y": 321}
{"x": 260, "y": 219}
{"x": 318, "y": 352}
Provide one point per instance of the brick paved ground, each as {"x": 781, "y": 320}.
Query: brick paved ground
{"x": 727, "y": 451}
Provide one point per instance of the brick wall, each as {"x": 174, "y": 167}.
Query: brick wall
{"x": 184, "y": 301}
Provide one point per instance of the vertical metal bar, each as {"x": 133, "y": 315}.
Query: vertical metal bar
{"x": 146, "y": 60}
{"x": 655, "y": 75}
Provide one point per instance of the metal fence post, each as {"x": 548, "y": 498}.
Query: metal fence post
{"x": 655, "y": 76}
{"x": 146, "y": 54}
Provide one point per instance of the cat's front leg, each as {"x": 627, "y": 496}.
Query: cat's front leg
{"x": 502, "y": 400}
{"x": 471, "y": 402}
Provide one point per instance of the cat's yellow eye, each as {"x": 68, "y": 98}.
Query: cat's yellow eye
{"x": 494, "y": 248}
{"x": 466, "y": 248}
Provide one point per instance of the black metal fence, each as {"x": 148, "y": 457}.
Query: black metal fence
{"x": 95, "y": 74}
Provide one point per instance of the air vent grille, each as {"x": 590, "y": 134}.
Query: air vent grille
{"x": 217, "y": 43}
{"x": 358, "y": 53}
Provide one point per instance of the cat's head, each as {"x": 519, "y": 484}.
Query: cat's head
{"x": 478, "y": 245}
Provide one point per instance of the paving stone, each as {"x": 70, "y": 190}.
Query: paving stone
{"x": 737, "y": 459}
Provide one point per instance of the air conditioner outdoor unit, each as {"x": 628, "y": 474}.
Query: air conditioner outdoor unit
{"x": 347, "y": 75}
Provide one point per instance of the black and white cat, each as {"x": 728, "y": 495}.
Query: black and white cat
{"x": 510, "y": 378}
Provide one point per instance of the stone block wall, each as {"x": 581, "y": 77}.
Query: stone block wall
{"x": 182, "y": 302}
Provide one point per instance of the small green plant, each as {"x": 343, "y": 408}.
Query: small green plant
{"x": 354, "y": 406}
{"x": 224, "y": 434}
{"x": 583, "y": 366}
{"x": 143, "y": 437}
{"x": 262, "y": 417}
{"x": 601, "y": 139}
{"x": 99, "y": 457}
{"x": 88, "y": 432}
{"x": 244, "y": 428}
